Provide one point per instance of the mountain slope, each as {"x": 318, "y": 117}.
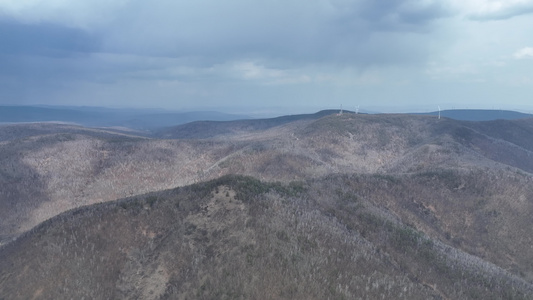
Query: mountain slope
{"x": 52, "y": 168}
{"x": 49, "y": 173}
{"x": 236, "y": 237}
{"x": 371, "y": 206}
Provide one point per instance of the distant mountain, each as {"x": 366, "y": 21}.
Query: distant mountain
{"x": 480, "y": 114}
{"x": 15, "y": 114}
{"x": 137, "y": 119}
{"x": 154, "y": 121}
{"x": 209, "y": 129}
{"x": 172, "y": 124}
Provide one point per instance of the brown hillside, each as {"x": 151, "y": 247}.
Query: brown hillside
{"x": 238, "y": 238}
{"x": 53, "y": 168}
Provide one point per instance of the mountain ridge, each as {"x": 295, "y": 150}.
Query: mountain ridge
{"x": 137, "y": 119}
{"x": 480, "y": 114}
{"x": 156, "y": 119}
{"x": 88, "y": 165}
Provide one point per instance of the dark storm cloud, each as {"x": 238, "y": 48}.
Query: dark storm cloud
{"x": 289, "y": 31}
{"x": 33, "y": 55}
{"x": 205, "y": 43}
{"x": 402, "y": 15}
{"x": 186, "y": 52}
{"x": 45, "y": 39}
{"x": 205, "y": 33}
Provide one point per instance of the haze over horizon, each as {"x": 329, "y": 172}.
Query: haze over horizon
{"x": 390, "y": 56}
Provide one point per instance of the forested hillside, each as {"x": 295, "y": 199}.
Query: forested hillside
{"x": 299, "y": 207}
{"x": 238, "y": 238}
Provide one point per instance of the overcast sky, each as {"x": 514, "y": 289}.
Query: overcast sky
{"x": 396, "y": 55}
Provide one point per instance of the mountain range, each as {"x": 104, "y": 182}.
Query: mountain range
{"x": 132, "y": 119}
{"x": 316, "y": 206}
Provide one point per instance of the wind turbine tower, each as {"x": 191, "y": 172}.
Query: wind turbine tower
{"x": 439, "y": 111}
{"x": 357, "y": 109}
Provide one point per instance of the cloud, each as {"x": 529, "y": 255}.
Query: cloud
{"x": 524, "y": 53}
{"x": 200, "y": 35}
{"x": 254, "y": 71}
{"x": 357, "y": 33}
{"x": 488, "y": 10}
{"x": 403, "y": 15}
{"x": 297, "y": 32}
{"x": 439, "y": 71}
{"x": 71, "y": 13}
{"x": 44, "y": 39}
{"x": 240, "y": 50}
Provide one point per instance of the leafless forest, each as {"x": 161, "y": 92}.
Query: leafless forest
{"x": 322, "y": 207}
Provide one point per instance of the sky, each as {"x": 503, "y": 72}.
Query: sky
{"x": 286, "y": 55}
